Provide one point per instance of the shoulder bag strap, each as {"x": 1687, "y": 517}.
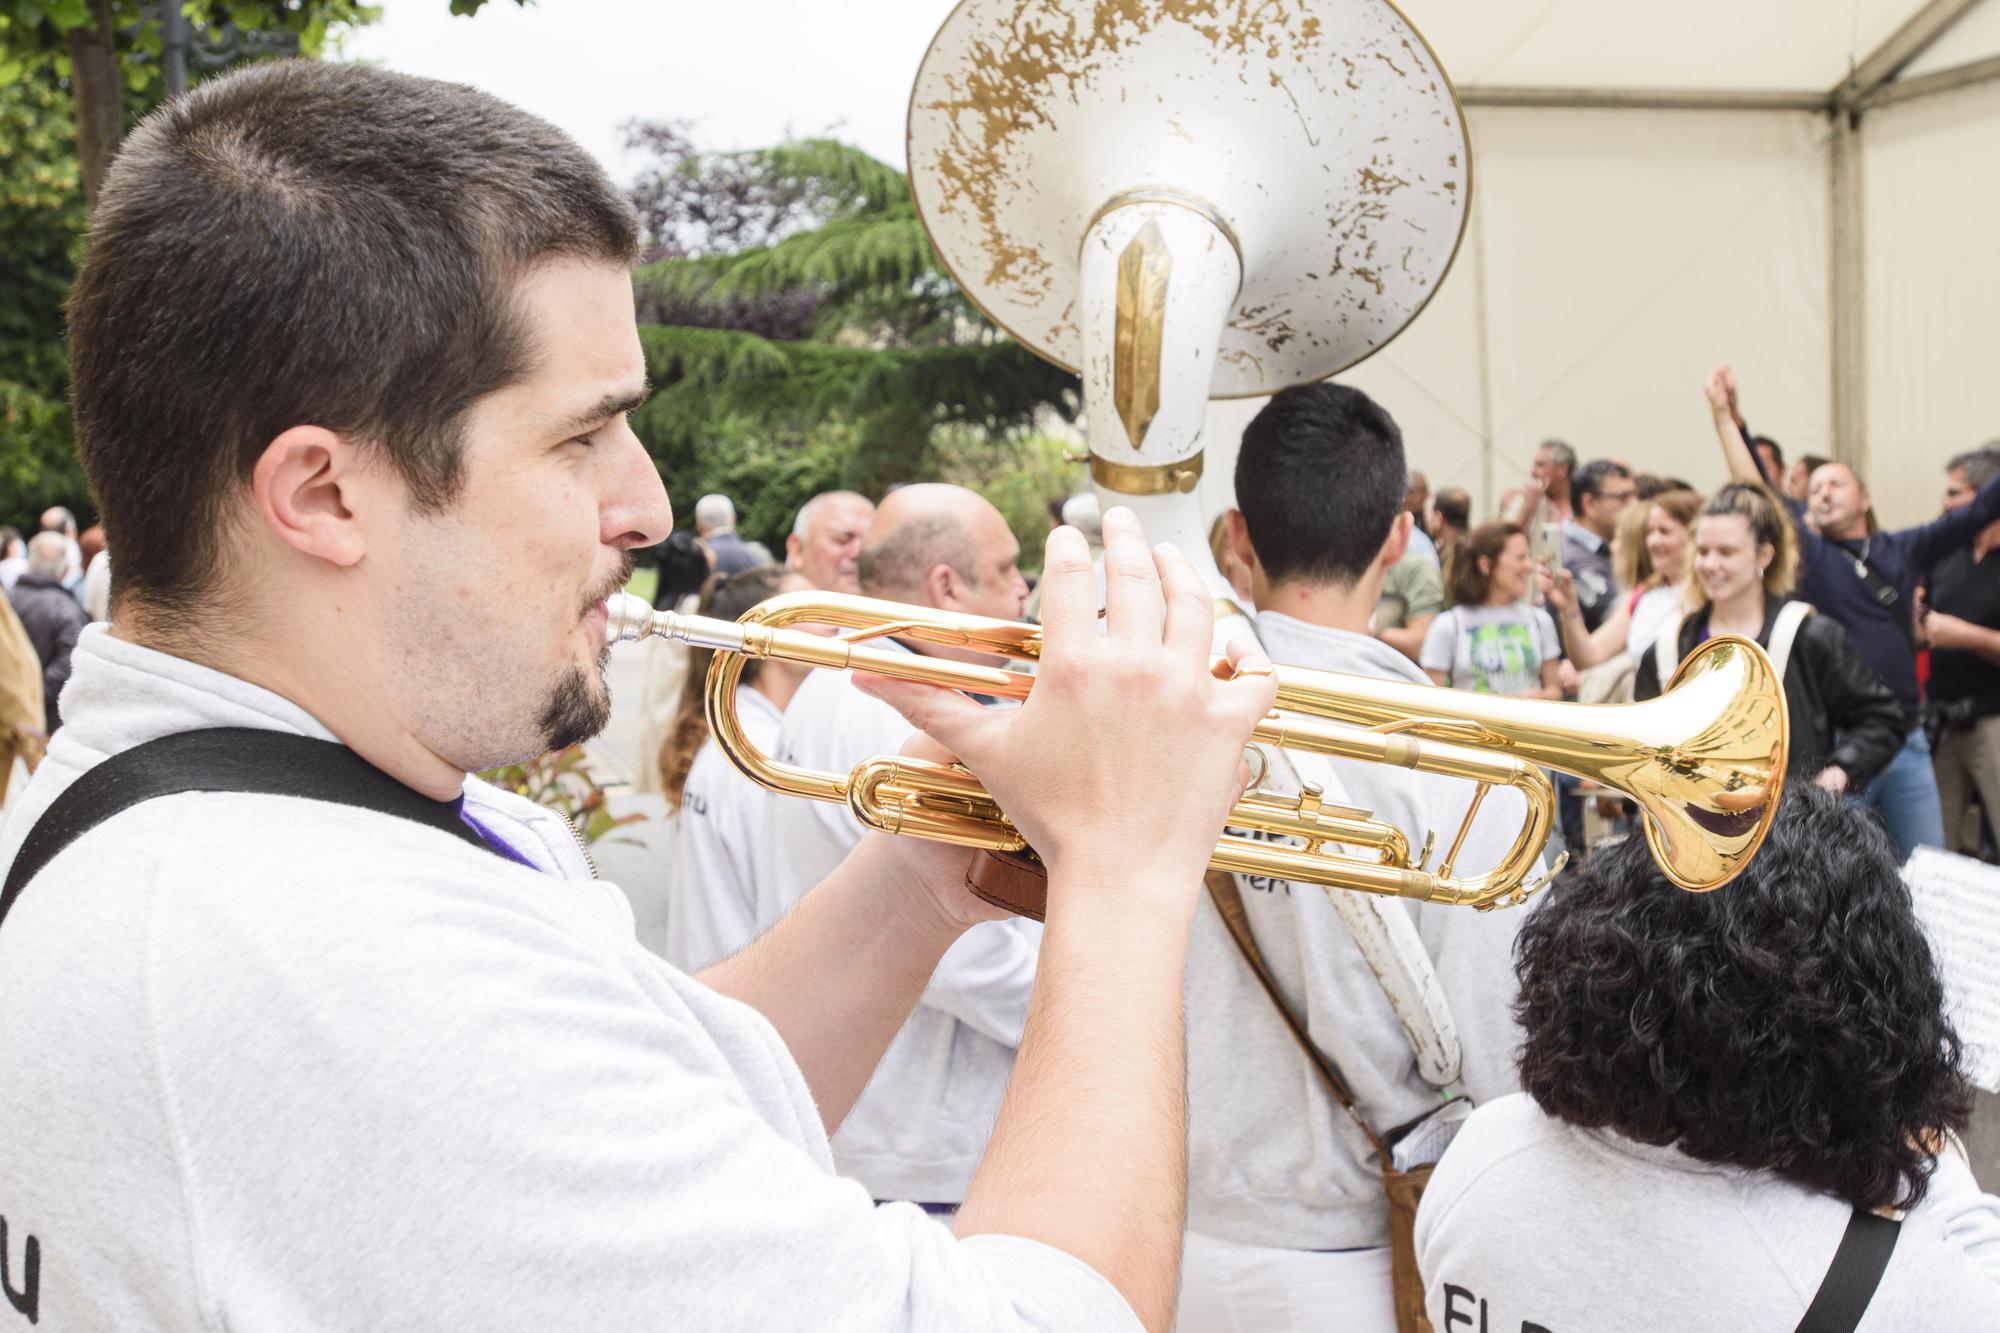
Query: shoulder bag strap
{"x": 1885, "y": 595}
{"x": 1390, "y": 944}
{"x": 1229, "y": 902}
{"x": 242, "y": 759}
{"x": 1667, "y": 650}
{"x": 1853, "y": 1276}
{"x": 1783, "y": 631}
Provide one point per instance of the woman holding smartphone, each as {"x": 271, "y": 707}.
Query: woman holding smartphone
{"x": 1654, "y": 573}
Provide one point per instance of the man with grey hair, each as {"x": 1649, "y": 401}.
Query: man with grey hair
{"x": 919, "y": 1129}
{"x": 825, "y": 542}
{"x": 715, "y": 524}
{"x": 50, "y": 614}
{"x": 1962, "y": 705}
{"x": 1545, "y": 498}
{"x": 60, "y": 520}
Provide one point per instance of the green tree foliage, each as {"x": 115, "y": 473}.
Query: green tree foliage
{"x": 41, "y": 229}
{"x": 46, "y": 106}
{"x": 801, "y": 334}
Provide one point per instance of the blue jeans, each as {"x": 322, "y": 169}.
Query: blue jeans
{"x": 1905, "y": 795}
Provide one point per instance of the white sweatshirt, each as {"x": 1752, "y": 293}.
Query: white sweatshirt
{"x": 1530, "y": 1222}
{"x": 272, "y": 1064}
{"x": 1272, "y": 1159}
{"x": 920, "y": 1127}
{"x": 724, "y": 832}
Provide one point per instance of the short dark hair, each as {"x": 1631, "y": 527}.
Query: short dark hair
{"x": 1791, "y": 1021}
{"x": 1590, "y": 481}
{"x": 308, "y": 243}
{"x": 1320, "y": 479}
{"x": 1777, "y": 454}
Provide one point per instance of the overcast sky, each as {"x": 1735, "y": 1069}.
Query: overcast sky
{"x": 745, "y": 71}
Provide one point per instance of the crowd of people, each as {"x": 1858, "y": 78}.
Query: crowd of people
{"x": 1593, "y": 583}
{"x": 55, "y": 583}
{"x": 302, "y": 1025}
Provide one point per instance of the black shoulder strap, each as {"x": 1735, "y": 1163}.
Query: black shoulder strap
{"x": 1853, "y": 1275}
{"x": 244, "y": 759}
{"x": 1885, "y": 595}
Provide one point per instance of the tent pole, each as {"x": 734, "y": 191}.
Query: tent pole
{"x": 1647, "y": 99}
{"x": 1929, "y": 85}
{"x": 1846, "y": 306}
{"x": 1488, "y": 497}
{"x": 1902, "y": 46}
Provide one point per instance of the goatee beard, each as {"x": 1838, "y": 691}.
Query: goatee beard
{"x": 576, "y": 712}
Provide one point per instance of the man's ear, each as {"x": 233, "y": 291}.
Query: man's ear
{"x": 305, "y": 484}
{"x": 792, "y": 548}
{"x": 1237, "y": 531}
{"x": 1398, "y": 540}
{"x": 942, "y": 586}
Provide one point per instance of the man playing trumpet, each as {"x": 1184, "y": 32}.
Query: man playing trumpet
{"x": 352, "y": 357}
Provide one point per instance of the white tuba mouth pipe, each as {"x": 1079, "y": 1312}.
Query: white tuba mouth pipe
{"x": 1159, "y": 274}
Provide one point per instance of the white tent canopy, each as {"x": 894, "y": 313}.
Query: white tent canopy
{"x": 1799, "y": 187}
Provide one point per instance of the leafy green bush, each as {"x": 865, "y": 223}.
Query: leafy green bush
{"x": 561, "y": 780}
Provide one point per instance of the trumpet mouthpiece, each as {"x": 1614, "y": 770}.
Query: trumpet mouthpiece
{"x": 627, "y": 618}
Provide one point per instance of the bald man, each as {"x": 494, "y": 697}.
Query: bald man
{"x": 919, "y": 1129}
{"x": 825, "y": 543}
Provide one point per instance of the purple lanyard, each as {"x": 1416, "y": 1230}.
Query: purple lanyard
{"x": 492, "y": 839}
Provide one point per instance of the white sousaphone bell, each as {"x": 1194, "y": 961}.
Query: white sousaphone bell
{"x": 1181, "y": 201}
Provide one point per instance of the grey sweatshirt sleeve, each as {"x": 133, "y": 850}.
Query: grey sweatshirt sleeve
{"x": 418, "y": 1105}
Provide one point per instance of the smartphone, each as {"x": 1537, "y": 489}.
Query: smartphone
{"x": 1548, "y": 550}
{"x": 1549, "y": 546}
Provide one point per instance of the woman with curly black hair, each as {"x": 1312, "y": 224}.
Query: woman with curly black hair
{"x": 1714, "y": 1085}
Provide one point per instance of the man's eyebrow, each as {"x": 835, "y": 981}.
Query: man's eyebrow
{"x": 603, "y": 410}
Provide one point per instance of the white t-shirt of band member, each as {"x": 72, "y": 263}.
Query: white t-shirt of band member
{"x": 269, "y": 1063}
{"x": 724, "y": 830}
{"x": 922, "y": 1123}
{"x": 1532, "y": 1223}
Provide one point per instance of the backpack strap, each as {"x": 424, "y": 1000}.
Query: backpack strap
{"x": 1783, "y": 631}
{"x": 1667, "y": 650}
{"x": 1853, "y": 1276}
{"x": 240, "y": 759}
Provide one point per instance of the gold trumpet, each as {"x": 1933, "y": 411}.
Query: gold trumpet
{"x": 1705, "y": 761}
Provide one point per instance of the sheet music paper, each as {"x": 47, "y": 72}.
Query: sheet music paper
{"x": 1958, "y": 902}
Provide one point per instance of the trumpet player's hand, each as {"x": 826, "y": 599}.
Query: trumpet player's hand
{"x": 1125, "y": 759}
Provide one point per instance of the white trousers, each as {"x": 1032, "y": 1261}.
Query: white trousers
{"x": 1231, "y": 1288}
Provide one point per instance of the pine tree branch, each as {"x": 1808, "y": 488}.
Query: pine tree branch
{"x": 847, "y": 260}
